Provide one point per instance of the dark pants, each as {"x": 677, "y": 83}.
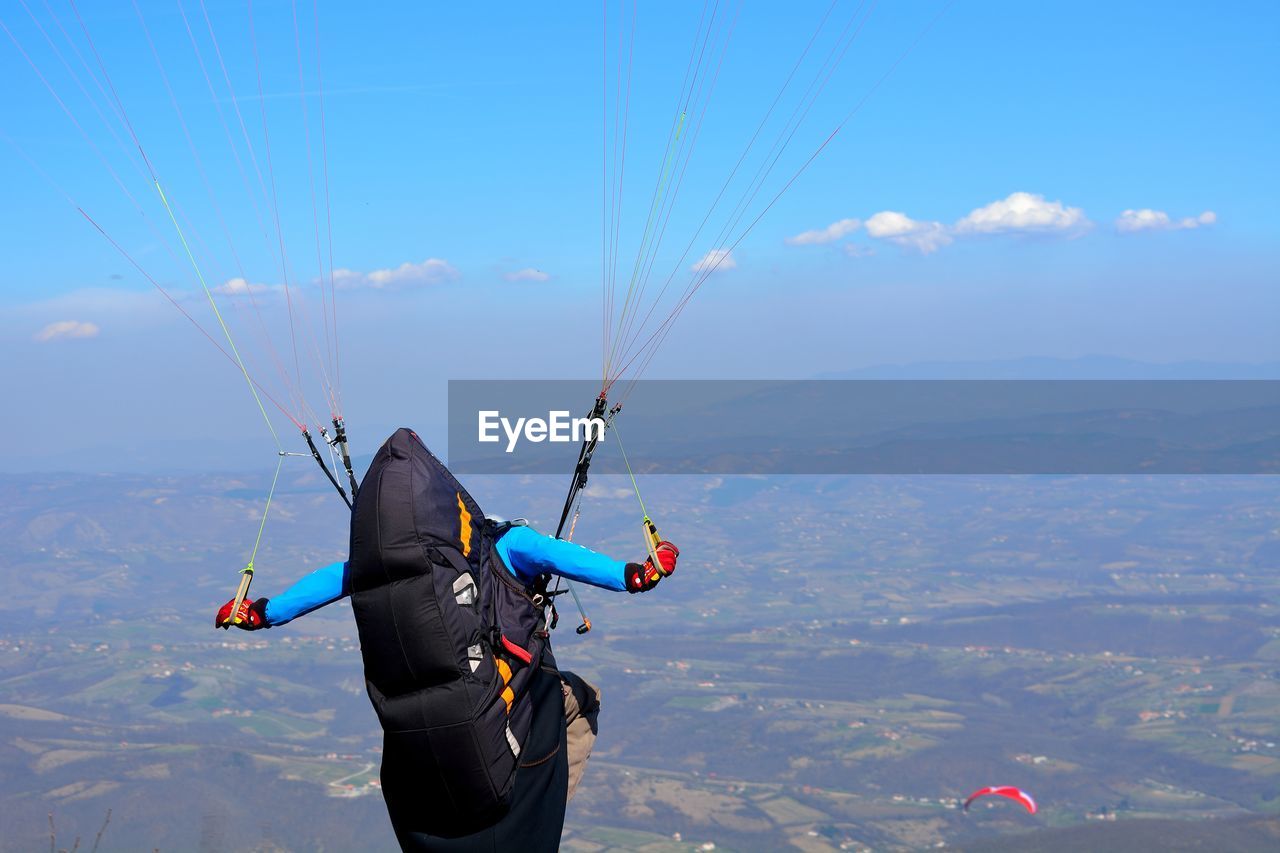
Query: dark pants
{"x": 538, "y": 800}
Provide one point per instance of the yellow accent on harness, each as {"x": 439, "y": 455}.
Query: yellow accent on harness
{"x": 508, "y": 695}
{"x": 464, "y": 526}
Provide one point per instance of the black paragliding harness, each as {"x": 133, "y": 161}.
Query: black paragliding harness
{"x": 600, "y": 412}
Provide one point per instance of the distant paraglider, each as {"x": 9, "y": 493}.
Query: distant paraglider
{"x": 1016, "y": 794}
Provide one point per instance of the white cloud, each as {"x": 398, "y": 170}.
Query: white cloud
{"x": 598, "y": 491}
{"x": 1019, "y": 213}
{"x": 923, "y": 236}
{"x": 1025, "y": 213}
{"x": 238, "y": 287}
{"x": 1147, "y": 219}
{"x": 527, "y": 274}
{"x": 67, "y": 330}
{"x": 429, "y": 272}
{"x": 833, "y": 232}
{"x": 717, "y": 260}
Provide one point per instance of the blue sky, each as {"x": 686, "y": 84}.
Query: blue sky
{"x": 1049, "y": 179}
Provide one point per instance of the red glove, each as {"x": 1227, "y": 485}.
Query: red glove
{"x": 667, "y": 554}
{"x": 644, "y": 578}
{"x": 253, "y": 615}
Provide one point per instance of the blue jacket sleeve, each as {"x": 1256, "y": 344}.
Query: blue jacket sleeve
{"x": 321, "y": 587}
{"x": 529, "y": 553}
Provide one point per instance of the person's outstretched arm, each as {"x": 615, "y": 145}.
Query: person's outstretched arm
{"x": 529, "y": 553}
{"x": 321, "y": 587}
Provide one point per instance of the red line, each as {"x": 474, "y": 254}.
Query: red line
{"x": 664, "y": 329}
{"x": 275, "y": 203}
{"x": 182, "y": 310}
{"x": 294, "y": 392}
{"x": 328, "y": 211}
{"x": 315, "y": 215}
{"x": 208, "y": 187}
{"x": 110, "y": 85}
{"x": 697, "y": 50}
{"x": 734, "y": 171}
{"x": 669, "y": 204}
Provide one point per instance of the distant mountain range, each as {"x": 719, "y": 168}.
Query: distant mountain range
{"x": 917, "y": 426}
{"x": 125, "y": 451}
{"x": 1041, "y": 367}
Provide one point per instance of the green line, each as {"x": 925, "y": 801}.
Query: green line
{"x": 242, "y": 590}
{"x": 635, "y": 486}
{"x": 225, "y": 331}
{"x": 265, "y": 510}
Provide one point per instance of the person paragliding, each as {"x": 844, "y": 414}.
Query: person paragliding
{"x": 485, "y": 739}
{"x": 1016, "y": 794}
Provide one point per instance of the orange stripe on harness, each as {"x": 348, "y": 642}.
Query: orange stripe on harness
{"x": 504, "y": 670}
{"x": 464, "y": 526}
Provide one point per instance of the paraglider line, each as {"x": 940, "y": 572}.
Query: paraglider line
{"x": 275, "y": 203}
{"x": 208, "y": 187}
{"x": 328, "y": 210}
{"x": 659, "y": 335}
{"x": 172, "y": 301}
{"x": 218, "y": 314}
